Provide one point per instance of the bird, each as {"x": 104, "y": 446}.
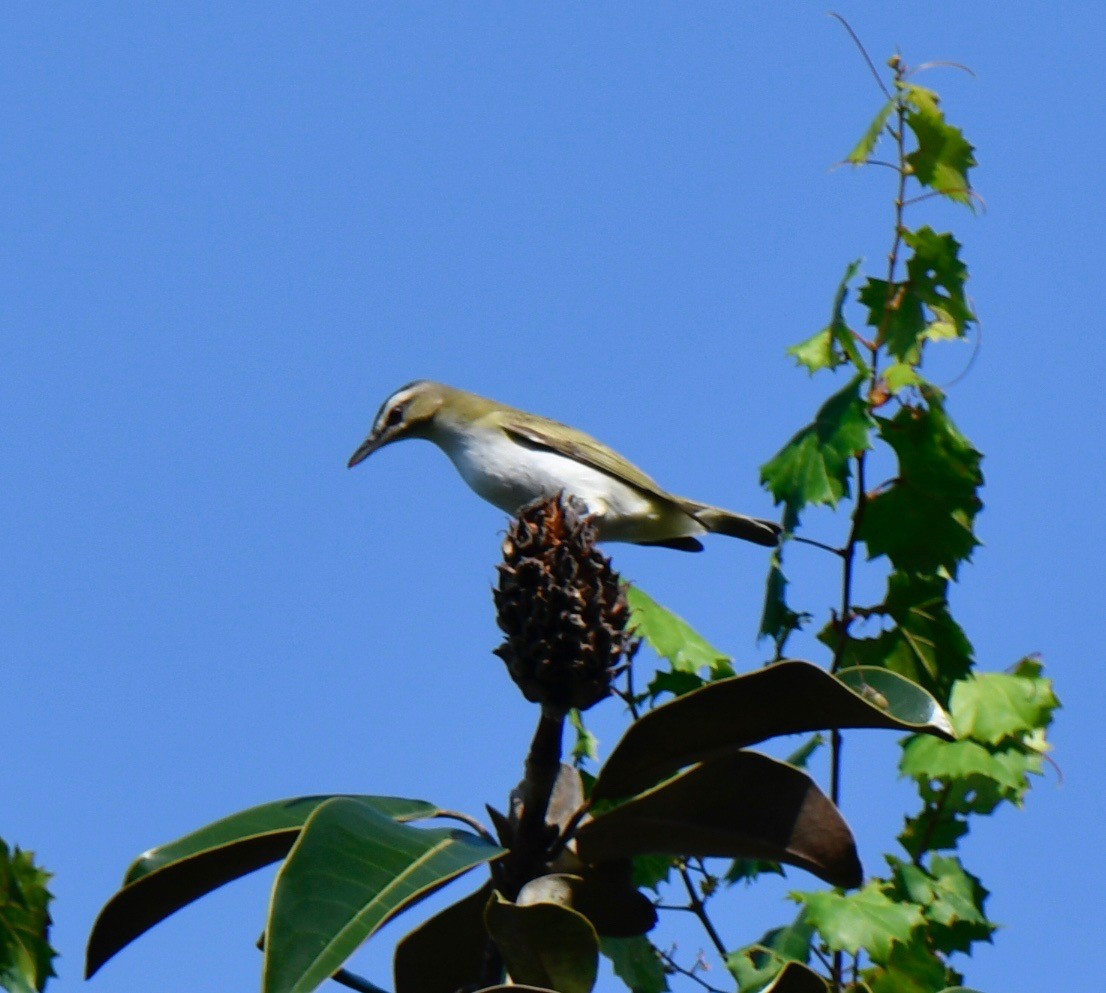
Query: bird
{"x": 511, "y": 457}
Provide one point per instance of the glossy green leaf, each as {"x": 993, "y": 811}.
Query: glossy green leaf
{"x": 545, "y": 944}
{"x": 26, "y": 958}
{"x": 896, "y": 695}
{"x": 867, "y": 919}
{"x": 637, "y": 963}
{"x": 814, "y": 466}
{"x": 788, "y": 697}
{"x": 738, "y": 805}
{"x": 446, "y": 952}
{"x": 172, "y": 876}
{"x": 672, "y": 638}
{"x": 350, "y": 871}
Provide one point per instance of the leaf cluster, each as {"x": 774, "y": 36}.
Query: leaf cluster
{"x": 26, "y": 958}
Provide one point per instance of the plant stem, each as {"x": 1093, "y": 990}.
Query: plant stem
{"x": 699, "y": 909}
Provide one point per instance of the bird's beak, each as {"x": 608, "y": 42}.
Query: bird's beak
{"x": 367, "y": 447}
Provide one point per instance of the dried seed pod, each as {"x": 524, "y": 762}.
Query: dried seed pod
{"x": 561, "y": 606}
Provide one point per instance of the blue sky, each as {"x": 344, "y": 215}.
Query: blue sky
{"x": 231, "y": 230}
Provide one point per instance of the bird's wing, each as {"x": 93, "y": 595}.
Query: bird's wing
{"x": 583, "y": 448}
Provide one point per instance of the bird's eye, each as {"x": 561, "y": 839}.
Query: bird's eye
{"x": 395, "y": 415}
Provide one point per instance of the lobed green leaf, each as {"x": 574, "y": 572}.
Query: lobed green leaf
{"x": 943, "y": 156}
{"x": 637, "y": 963}
{"x": 867, "y": 919}
{"x": 672, "y": 638}
{"x": 26, "y": 957}
{"x": 835, "y": 344}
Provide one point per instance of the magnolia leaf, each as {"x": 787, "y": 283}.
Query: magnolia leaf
{"x": 943, "y": 156}
{"x": 605, "y": 894}
{"x": 796, "y": 978}
{"x": 26, "y": 958}
{"x": 738, "y": 805}
{"x": 898, "y": 696}
{"x": 923, "y": 521}
{"x": 867, "y": 919}
{"x": 813, "y": 467}
{"x": 350, "y": 871}
{"x": 445, "y": 952}
{"x": 789, "y": 697}
{"x": 545, "y": 944}
{"x": 164, "y": 879}
{"x": 672, "y": 638}
{"x": 864, "y": 148}
{"x": 637, "y": 963}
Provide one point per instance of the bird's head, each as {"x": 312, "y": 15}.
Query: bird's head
{"x": 407, "y": 413}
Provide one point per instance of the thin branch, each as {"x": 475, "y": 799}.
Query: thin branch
{"x": 700, "y": 910}
{"x": 689, "y": 973}
{"x": 863, "y": 51}
{"x": 942, "y": 64}
{"x": 818, "y": 544}
{"x": 472, "y": 822}
{"x": 352, "y": 981}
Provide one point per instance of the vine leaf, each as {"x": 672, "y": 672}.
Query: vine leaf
{"x": 943, "y": 156}
{"x": 867, "y": 144}
{"x": 923, "y": 521}
{"x": 835, "y": 344}
{"x": 350, "y": 871}
{"x": 813, "y": 467}
{"x": 867, "y": 919}
{"x": 911, "y": 967}
{"x": 26, "y": 958}
{"x": 994, "y": 706}
{"x": 757, "y": 964}
{"x": 951, "y": 898}
{"x": 637, "y": 963}
{"x": 672, "y": 638}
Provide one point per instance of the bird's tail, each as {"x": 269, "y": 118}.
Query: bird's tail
{"x": 754, "y": 529}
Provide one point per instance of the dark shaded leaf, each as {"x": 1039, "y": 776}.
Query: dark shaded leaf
{"x": 349, "y": 872}
{"x": 777, "y": 620}
{"x": 605, "y": 894}
{"x": 923, "y": 521}
{"x": 652, "y": 870}
{"x": 797, "y": 978}
{"x": 739, "y": 805}
{"x": 167, "y": 878}
{"x": 814, "y": 466}
{"x": 911, "y": 967}
{"x": 898, "y": 315}
{"x": 26, "y": 958}
{"x": 867, "y": 919}
{"x": 567, "y": 797}
{"x": 546, "y": 944}
{"x": 446, "y": 952}
{"x": 637, "y": 963}
{"x": 784, "y": 698}
{"x": 951, "y": 898}
{"x": 746, "y": 870}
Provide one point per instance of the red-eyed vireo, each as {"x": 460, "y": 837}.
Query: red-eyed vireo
{"x": 510, "y": 457}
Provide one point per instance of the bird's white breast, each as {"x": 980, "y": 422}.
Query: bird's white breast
{"x": 509, "y": 475}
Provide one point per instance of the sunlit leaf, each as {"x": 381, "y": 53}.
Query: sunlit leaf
{"x": 26, "y": 958}
{"x": 867, "y": 919}
{"x": 951, "y": 898}
{"x": 864, "y": 148}
{"x": 835, "y": 343}
{"x": 923, "y": 521}
{"x": 349, "y": 872}
{"x": 994, "y": 706}
{"x": 943, "y": 156}
{"x": 672, "y": 638}
{"x": 910, "y": 967}
{"x": 814, "y": 467}
{"x": 545, "y": 944}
